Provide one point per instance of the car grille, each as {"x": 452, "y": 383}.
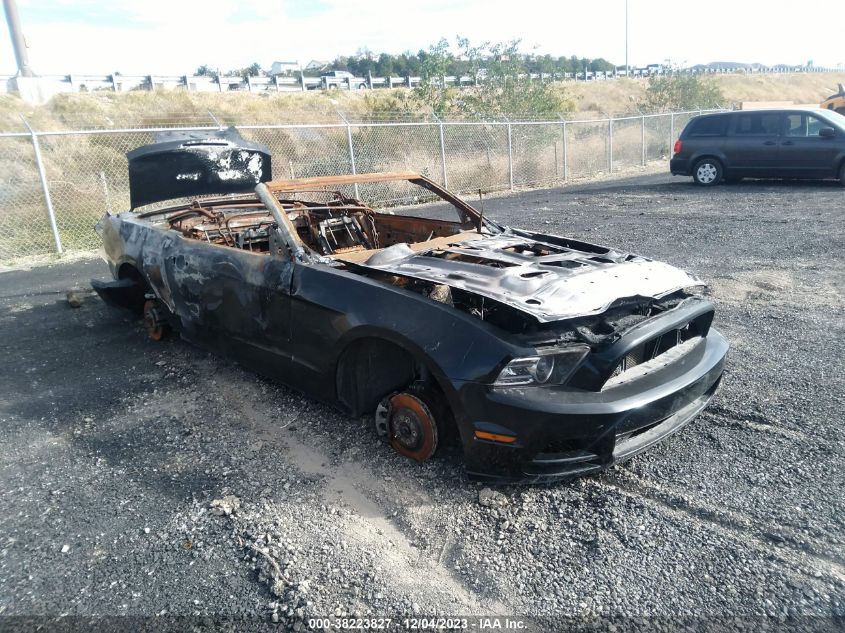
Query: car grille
{"x": 655, "y": 347}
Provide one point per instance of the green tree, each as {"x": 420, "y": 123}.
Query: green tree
{"x": 601, "y": 65}
{"x": 253, "y": 70}
{"x": 434, "y": 65}
{"x": 204, "y": 71}
{"x": 667, "y": 93}
{"x": 505, "y": 88}
{"x": 385, "y": 65}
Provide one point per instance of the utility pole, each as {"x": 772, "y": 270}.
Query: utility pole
{"x": 16, "y": 35}
{"x": 627, "y": 67}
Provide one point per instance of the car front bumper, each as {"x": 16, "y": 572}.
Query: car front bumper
{"x": 564, "y": 433}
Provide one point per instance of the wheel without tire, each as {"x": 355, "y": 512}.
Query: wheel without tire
{"x": 707, "y": 172}
{"x": 412, "y": 428}
{"x": 155, "y": 320}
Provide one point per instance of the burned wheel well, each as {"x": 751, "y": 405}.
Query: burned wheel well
{"x": 371, "y": 368}
{"x": 135, "y": 300}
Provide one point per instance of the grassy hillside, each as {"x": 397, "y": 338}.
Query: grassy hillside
{"x": 107, "y": 109}
{"x": 798, "y": 88}
{"x": 624, "y": 94}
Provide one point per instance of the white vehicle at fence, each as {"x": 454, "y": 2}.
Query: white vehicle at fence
{"x": 342, "y": 79}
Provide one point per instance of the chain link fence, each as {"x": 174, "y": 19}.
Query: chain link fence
{"x": 55, "y": 185}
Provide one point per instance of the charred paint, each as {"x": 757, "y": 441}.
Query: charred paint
{"x": 352, "y": 306}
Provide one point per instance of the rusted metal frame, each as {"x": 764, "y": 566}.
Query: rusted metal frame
{"x": 278, "y": 186}
{"x": 45, "y": 187}
{"x": 287, "y": 231}
{"x": 300, "y": 184}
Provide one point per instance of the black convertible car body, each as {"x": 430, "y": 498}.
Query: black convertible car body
{"x": 545, "y": 357}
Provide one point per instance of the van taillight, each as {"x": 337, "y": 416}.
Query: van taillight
{"x": 678, "y": 146}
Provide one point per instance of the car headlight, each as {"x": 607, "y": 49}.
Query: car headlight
{"x": 552, "y": 367}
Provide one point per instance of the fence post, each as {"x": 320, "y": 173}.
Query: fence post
{"x": 610, "y": 145}
{"x": 351, "y": 149}
{"x": 565, "y": 149}
{"x": 442, "y": 151}
{"x": 302, "y": 81}
{"x": 510, "y": 154}
{"x": 671, "y": 133}
{"x": 642, "y": 139}
{"x": 51, "y": 214}
{"x": 106, "y": 192}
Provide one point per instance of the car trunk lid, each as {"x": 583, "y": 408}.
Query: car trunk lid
{"x": 186, "y": 164}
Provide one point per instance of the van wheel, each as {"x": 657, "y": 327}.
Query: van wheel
{"x": 707, "y": 172}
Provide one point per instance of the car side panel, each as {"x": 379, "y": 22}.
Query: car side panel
{"x": 231, "y": 301}
{"x": 752, "y": 155}
{"x": 331, "y": 308}
{"x": 810, "y": 157}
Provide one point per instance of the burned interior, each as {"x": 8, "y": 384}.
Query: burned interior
{"x": 451, "y": 255}
{"x": 437, "y": 325}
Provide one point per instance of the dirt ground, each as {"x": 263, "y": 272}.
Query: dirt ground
{"x": 114, "y": 447}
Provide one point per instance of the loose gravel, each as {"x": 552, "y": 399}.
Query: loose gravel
{"x": 141, "y": 478}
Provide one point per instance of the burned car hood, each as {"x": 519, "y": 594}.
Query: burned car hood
{"x": 181, "y": 164}
{"x": 548, "y": 277}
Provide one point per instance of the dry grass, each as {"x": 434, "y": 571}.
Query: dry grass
{"x": 798, "y": 88}
{"x": 77, "y": 165}
{"x": 177, "y": 107}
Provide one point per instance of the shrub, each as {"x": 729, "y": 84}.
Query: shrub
{"x": 681, "y": 92}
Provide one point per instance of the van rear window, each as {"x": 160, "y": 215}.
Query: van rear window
{"x": 709, "y": 126}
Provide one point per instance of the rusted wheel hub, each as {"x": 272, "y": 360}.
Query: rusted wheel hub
{"x": 412, "y": 428}
{"x": 154, "y": 320}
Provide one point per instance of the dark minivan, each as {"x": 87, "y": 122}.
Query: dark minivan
{"x": 796, "y": 143}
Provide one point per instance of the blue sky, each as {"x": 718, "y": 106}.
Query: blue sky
{"x": 176, "y": 36}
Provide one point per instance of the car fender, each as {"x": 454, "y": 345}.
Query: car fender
{"x": 420, "y": 355}
{"x": 718, "y": 154}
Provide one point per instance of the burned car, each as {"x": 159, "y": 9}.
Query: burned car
{"x": 544, "y": 357}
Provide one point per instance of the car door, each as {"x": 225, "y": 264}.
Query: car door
{"x": 803, "y": 152}
{"x": 752, "y": 145}
{"x": 233, "y": 301}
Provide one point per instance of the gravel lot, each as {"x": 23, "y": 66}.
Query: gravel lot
{"x": 113, "y": 448}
